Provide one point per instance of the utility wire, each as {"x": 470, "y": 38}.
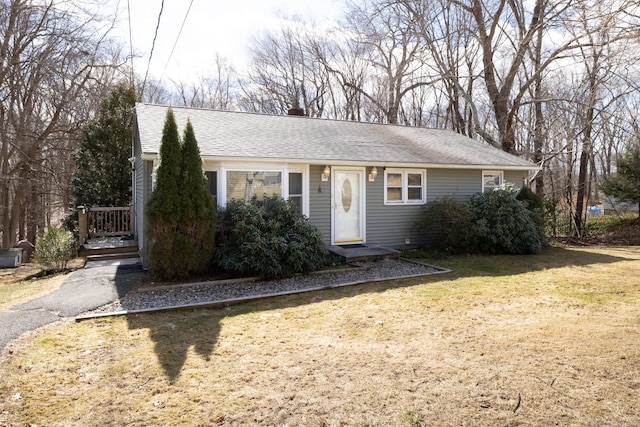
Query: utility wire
{"x": 130, "y": 41}
{"x": 177, "y": 38}
{"x": 153, "y": 45}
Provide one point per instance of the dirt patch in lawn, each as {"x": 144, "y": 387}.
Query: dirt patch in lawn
{"x": 550, "y": 339}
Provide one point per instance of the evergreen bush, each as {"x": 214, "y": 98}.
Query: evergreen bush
{"x": 103, "y": 172}
{"x": 180, "y": 212}
{"x": 494, "y": 222}
{"x": 447, "y": 222}
{"x": 54, "y": 248}
{"x": 625, "y": 184}
{"x": 103, "y": 175}
{"x": 197, "y": 216}
{"x": 531, "y": 199}
{"x": 268, "y": 238}
{"x": 503, "y": 224}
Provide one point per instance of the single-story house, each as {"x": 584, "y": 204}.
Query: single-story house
{"x": 356, "y": 182}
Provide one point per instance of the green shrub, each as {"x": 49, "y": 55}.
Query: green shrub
{"x": 494, "y": 222}
{"x": 532, "y": 201}
{"x": 503, "y": 224}
{"x": 54, "y": 248}
{"x": 447, "y": 224}
{"x": 267, "y": 238}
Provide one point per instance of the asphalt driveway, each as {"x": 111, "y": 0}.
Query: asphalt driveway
{"x": 83, "y": 290}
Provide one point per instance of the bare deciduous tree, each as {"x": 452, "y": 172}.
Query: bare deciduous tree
{"x": 55, "y": 65}
{"x": 389, "y": 41}
{"x": 217, "y": 91}
{"x": 284, "y": 73}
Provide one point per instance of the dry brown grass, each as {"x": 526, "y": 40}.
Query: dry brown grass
{"x": 28, "y": 281}
{"x": 18, "y": 292}
{"x": 550, "y": 339}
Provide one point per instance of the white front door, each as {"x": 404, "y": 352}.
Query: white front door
{"x": 347, "y": 216}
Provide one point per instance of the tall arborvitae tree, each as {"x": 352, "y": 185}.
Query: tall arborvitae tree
{"x": 198, "y": 213}
{"x": 181, "y": 212}
{"x": 103, "y": 176}
{"x": 163, "y": 207}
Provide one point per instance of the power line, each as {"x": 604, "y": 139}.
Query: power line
{"x": 130, "y": 40}
{"x": 153, "y": 45}
{"x": 177, "y": 38}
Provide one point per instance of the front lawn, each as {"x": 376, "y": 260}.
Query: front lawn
{"x": 547, "y": 339}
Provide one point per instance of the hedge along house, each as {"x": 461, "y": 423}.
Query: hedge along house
{"x": 358, "y": 183}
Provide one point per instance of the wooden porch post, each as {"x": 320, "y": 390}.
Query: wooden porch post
{"x": 132, "y": 221}
{"x": 83, "y": 225}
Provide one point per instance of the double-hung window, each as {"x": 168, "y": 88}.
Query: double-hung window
{"x": 404, "y": 186}
{"x": 491, "y": 180}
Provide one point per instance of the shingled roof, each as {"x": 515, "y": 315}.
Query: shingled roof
{"x": 249, "y": 136}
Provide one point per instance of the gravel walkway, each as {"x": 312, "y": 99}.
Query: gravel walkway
{"x": 226, "y": 292}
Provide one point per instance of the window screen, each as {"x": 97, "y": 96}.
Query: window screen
{"x": 295, "y": 189}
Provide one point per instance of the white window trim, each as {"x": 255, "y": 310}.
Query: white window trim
{"x": 405, "y": 186}
{"x": 284, "y": 169}
{"x": 493, "y": 172}
{"x": 305, "y": 186}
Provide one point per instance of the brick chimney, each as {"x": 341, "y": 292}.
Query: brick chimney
{"x": 295, "y": 112}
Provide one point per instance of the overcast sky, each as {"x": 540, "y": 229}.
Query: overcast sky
{"x": 222, "y": 26}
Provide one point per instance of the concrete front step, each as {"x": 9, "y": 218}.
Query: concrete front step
{"x": 364, "y": 252}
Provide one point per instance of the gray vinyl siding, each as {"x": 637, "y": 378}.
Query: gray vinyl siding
{"x": 516, "y": 177}
{"x": 143, "y": 193}
{"x": 454, "y": 183}
{"x": 391, "y": 225}
{"x": 320, "y": 203}
{"x": 460, "y": 184}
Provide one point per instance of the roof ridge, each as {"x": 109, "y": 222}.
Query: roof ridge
{"x": 327, "y": 119}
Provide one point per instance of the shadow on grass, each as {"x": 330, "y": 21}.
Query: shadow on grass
{"x": 175, "y": 332}
{"x": 548, "y": 259}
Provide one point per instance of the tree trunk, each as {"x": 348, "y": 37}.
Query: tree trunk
{"x": 582, "y": 178}
{"x": 538, "y": 132}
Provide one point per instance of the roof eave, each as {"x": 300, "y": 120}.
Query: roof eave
{"x": 532, "y": 167}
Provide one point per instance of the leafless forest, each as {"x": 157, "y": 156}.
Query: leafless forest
{"x": 554, "y": 81}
